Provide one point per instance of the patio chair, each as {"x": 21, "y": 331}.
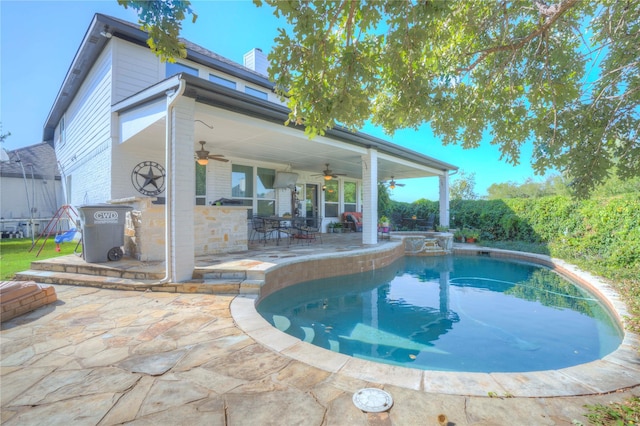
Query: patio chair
{"x": 309, "y": 229}
{"x": 292, "y": 229}
{"x": 261, "y": 227}
{"x": 353, "y": 221}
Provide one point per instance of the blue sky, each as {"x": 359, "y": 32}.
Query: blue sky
{"x": 38, "y": 40}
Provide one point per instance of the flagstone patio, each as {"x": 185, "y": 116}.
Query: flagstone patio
{"x": 102, "y": 357}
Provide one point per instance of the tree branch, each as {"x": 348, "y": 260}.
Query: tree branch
{"x": 557, "y": 10}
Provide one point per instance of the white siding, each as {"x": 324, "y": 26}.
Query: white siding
{"x": 135, "y": 68}
{"x": 13, "y": 197}
{"x": 86, "y": 153}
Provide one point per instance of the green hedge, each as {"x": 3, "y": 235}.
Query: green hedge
{"x": 603, "y": 231}
{"x": 601, "y": 235}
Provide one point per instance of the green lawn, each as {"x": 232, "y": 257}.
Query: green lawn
{"x": 15, "y": 255}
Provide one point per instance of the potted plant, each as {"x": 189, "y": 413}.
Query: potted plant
{"x": 458, "y": 236}
{"x": 471, "y": 235}
{"x": 384, "y": 224}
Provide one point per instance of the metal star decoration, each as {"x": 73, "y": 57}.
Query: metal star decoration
{"x": 148, "y": 174}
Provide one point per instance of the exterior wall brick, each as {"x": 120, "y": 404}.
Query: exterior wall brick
{"x": 21, "y": 305}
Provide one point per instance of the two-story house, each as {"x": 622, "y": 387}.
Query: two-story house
{"x": 128, "y": 128}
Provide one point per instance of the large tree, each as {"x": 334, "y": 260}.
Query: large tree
{"x": 564, "y": 76}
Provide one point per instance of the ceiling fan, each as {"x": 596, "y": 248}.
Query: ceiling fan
{"x": 392, "y": 183}
{"x": 203, "y": 156}
{"x": 328, "y": 174}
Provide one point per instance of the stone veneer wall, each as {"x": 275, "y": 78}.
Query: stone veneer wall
{"x": 326, "y": 267}
{"x": 220, "y": 229}
{"x": 217, "y": 229}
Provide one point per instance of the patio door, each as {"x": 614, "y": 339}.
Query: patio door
{"x": 311, "y": 200}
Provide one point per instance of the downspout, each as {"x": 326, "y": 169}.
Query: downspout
{"x": 172, "y": 97}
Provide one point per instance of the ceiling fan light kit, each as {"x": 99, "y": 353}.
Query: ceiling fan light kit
{"x": 327, "y": 174}
{"x": 393, "y": 183}
{"x": 203, "y": 157}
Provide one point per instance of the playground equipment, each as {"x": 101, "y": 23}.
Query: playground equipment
{"x": 64, "y": 212}
{"x": 64, "y": 237}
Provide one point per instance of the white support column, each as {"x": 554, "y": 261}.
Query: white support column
{"x": 444, "y": 199}
{"x": 370, "y": 197}
{"x": 182, "y": 201}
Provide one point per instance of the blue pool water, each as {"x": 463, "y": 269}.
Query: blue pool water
{"x": 451, "y": 313}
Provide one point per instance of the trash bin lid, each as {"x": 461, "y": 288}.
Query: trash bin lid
{"x": 105, "y": 205}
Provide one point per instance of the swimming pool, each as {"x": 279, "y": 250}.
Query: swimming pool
{"x": 450, "y": 313}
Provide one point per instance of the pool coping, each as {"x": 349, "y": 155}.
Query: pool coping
{"x": 617, "y": 370}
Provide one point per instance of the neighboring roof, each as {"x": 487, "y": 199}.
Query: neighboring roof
{"x": 42, "y": 156}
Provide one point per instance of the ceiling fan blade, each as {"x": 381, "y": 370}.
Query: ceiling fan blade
{"x": 218, "y": 158}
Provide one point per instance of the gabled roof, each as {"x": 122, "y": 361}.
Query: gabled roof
{"x": 92, "y": 45}
{"x": 204, "y": 91}
{"x": 41, "y": 156}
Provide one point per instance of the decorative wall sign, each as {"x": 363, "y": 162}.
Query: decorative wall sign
{"x": 148, "y": 178}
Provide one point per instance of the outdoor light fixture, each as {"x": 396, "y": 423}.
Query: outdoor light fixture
{"x": 106, "y": 33}
{"x": 203, "y": 156}
{"x": 393, "y": 184}
{"x": 324, "y": 187}
{"x": 328, "y": 174}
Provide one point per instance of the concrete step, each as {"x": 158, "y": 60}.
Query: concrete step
{"x": 219, "y": 274}
{"x": 120, "y": 269}
{"x": 231, "y": 272}
{"x": 87, "y": 280}
{"x": 222, "y": 286}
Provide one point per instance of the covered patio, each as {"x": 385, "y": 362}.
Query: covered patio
{"x": 176, "y": 115}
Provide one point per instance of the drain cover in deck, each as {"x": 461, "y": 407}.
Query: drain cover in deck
{"x": 372, "y": 400}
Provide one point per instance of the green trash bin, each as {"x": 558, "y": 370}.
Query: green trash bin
{"x": 103, "y": 231}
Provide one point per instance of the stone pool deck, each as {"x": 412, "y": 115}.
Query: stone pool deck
{"x": 104, "y": 357}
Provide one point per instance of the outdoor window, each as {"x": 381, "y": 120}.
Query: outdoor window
{"x": 350, "y": 201}
{"x": 266, "y": 194}
{"x": 201, "y": 185}
{"x": 242, "y": 185}
{"x": 176, "y": 68}
{"x": 222, "y": 81}
{"x": 331, "y": 198}
{"x": 263, "y": 198}
{"x": 257, "y": 93}
{"x": 241, "y": 181}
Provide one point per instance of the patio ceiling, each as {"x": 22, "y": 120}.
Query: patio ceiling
{"x": 241, "y": 127}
